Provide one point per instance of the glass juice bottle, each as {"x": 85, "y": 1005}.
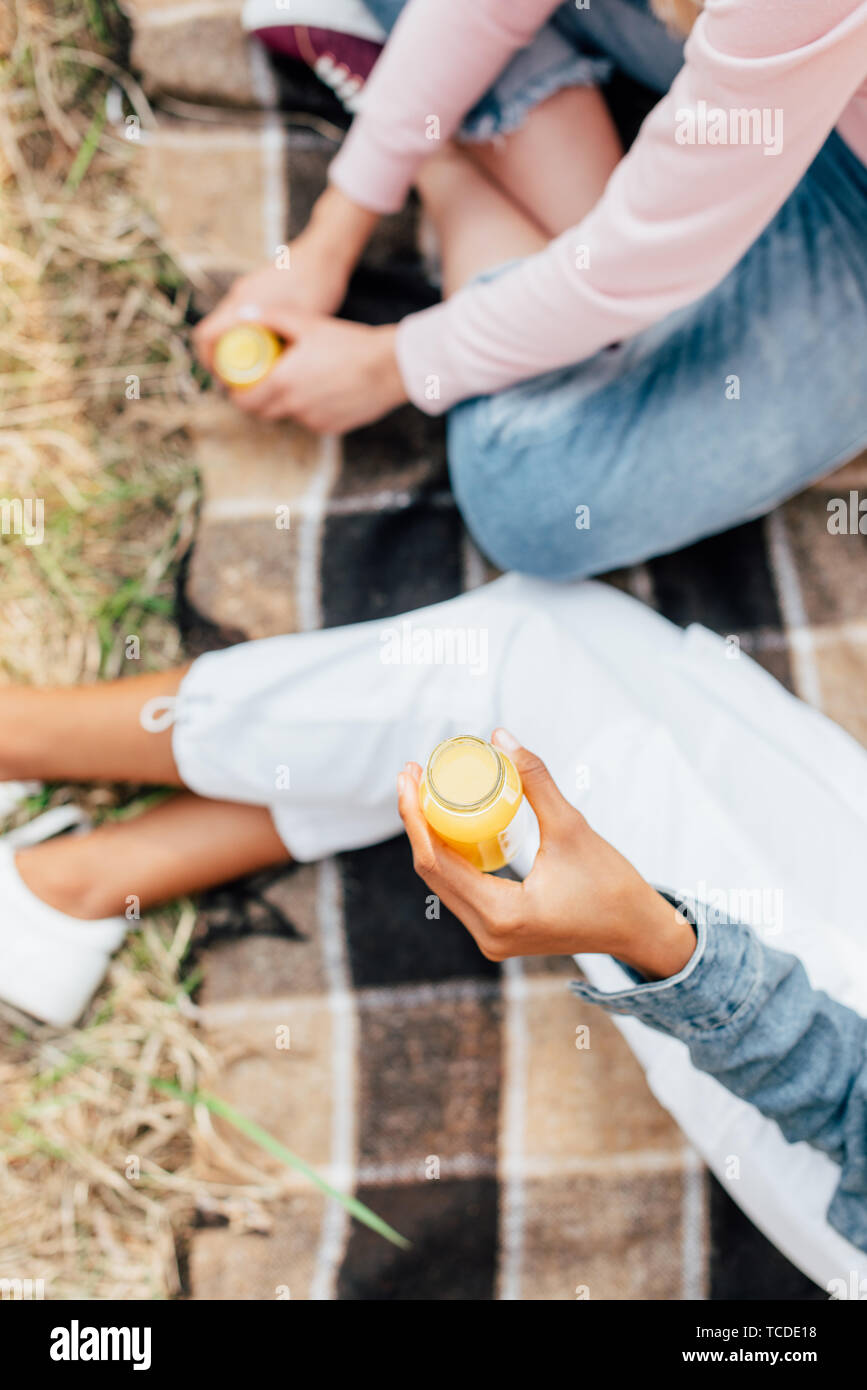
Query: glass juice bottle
{"x": 471, "y": 795}
{"x": 245, "y": 354}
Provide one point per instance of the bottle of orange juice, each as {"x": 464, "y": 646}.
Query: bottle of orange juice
{"x": 245, "y": 354}
{"x": 471, "y": 795}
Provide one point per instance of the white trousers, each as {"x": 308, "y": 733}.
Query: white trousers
{"x": 694, "y": 762}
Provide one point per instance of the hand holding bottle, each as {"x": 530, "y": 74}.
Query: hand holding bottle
{"x": 580, "y": 896}
{"x": 314, "y": 279}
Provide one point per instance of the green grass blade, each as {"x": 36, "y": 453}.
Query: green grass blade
{"x": 86, "y": 150}
{"x": 273, "y": 1146}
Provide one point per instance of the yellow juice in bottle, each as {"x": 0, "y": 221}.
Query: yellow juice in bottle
{"x": 471, "y": 795}
{"x": 245, "y": 354}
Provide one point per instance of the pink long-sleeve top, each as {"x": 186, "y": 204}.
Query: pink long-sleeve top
{"x": 676, "y": 214}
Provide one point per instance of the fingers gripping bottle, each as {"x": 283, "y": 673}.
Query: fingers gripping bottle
{"x": 471, "y": 795}
{"x": 245, "y": 354}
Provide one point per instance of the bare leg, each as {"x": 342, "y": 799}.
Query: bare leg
{"x": 476, "y": 224}
{"x": 88, "y": 733}
{"x": 94, "y": 733}
{"x": 494, "y": 201}
{"x": 556, "y": 165}
{"x": 183, "y": 846}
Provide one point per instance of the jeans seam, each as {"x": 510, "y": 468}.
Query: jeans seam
{"x": 699, "y": 1030}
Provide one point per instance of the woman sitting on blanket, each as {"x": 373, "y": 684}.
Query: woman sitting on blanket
{"x": 703, "y": 771}
{"x": 670, "y": 339}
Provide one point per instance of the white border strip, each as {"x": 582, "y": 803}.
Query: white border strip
{"x": 694, "y": 1252}
{"x": 312, "y": 509}
{"x": 793, "y": 611}
{"x": 329, "y": 912}
{"x": 335, "y": 1224}
{"x": 513, "y": 1172}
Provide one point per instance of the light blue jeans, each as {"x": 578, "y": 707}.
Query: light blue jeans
{"x": 709, "y": 418}
{"x": 751, "y": 1018}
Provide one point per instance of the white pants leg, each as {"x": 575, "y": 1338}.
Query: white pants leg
{"x": 317, "y": 726}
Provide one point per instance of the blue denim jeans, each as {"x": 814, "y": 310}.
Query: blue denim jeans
{"x": 707, "y": 419}
{"x": 750, "y": 1017}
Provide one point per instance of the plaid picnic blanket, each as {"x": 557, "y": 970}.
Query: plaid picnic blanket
{"x": 440, "y": 1088}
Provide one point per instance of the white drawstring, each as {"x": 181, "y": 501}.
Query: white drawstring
{"x": 158, "y": 714}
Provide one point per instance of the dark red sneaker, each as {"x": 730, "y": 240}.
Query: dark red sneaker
{"x": 340, "y": 44}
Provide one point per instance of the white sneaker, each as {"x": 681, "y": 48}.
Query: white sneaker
{"x": 50, "y": 964}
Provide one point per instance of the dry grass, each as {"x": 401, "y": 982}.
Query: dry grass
{"x": 98, "y": 1184}
{"x": 100, "y": 1174}
{"x": 91, "y": 311}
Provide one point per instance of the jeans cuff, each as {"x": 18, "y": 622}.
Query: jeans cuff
{"x": 504, "y": 109}
{"x": 716, "y": 984}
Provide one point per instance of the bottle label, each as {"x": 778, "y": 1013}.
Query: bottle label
{"x": 520, "y": 839}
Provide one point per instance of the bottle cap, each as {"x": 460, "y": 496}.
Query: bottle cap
{"x": 465, "y": 773}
